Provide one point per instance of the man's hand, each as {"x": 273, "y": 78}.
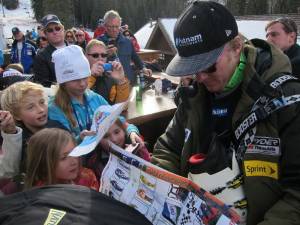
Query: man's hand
{"x": 97, "y": 69}
{"x": 111, "y": 50}
{"x": 187, "y": 80}
{"x": 7, "y": 123}
{"x": 147, "y": 72}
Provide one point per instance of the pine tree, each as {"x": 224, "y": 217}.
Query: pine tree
{"x": 37, "y": 6}
{"x": 64, "y": 9}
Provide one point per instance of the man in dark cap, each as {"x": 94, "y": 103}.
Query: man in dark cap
{"x": 23, "y": 50}
{"x": 43, "y": 66}
{"x": 282, "y": 32}
{"x": 237, "y": 107}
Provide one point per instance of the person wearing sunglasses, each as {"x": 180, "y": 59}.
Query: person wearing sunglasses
{"x": 86, "y": 34}
{"x": 282, "y": 32}
{"x": 43, "y": 66}
{"x": 243, "y": 118}
{"x": 74, "y": 104}
{"x": 80, "y": 39}
{"x": 41, "y": 41}
{"x": 120, "y": 47}
{"x": 70, "y": 37}
{"x": 111, "y": 85}
{"x": 23, "y": 50}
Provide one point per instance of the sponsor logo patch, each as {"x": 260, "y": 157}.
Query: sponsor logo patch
{"x": 187, "y": 133}
{"x": 248, "y": 122}
{"x": 54, "y": 217}
{"x": 264, "y": 146}
{"x": 29, "y": 52}
{"x": 188, "y": 41}
{"x": 256, "y": 168}
{"x": 219, "y": 112}
{"x": 281, "y": 80}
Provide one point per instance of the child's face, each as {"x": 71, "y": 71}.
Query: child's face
{"x": 116, "y": 135}
{"x": 76, "y": 88}
{"x": 67, "y": 168}
{"x": 33, "y": 111}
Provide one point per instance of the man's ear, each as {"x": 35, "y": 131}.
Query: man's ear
{"x": 237, "y": 45}
{"x": 292, "y": 36}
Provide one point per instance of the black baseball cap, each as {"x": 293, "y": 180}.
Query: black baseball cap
{"x": 200, "y": 34}
{"x": 50, "y": 18}
{"x": 15, "y": 30}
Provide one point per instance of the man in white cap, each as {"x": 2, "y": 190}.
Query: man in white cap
{"x": 43, "y": 66}
{"x": 238, "y": 107}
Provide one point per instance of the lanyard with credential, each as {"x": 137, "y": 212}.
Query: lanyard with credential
{"x": 87, "y": 114}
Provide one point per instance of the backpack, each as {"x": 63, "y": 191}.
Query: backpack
{"x": 64, "y": 205}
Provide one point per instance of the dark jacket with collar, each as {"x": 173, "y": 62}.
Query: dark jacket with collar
{"x": 103, "y": 86}
{"x": 43, "y": 67}
{"x": 270, "y": 198}
{"x": 294, "y": 55}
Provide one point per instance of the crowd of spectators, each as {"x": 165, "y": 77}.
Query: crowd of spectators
{"x": 237, "y": 104}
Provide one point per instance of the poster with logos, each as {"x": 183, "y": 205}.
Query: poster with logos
{"x": 163, "y": 197}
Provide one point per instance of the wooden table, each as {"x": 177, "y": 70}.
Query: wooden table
{"x": 148, "y": 55}
{"x": 150, "y": 108}
{"x": 151, "y": 115}
{"x": 162, "y": 75}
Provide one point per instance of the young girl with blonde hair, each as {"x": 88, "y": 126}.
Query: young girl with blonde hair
{"x": 51, "y": 164}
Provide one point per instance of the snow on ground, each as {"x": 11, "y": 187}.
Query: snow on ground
{"x": 22, "y": 17}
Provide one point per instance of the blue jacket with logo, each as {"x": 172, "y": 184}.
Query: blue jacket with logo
{"x": 125, "y": 54}
{"x": 27, "y": 55}
{"x": 84, "y": 113}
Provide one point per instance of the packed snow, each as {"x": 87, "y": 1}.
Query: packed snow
{"x": 22, "y": 17}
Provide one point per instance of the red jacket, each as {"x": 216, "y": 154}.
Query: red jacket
{"x": 99, "y": 31}
{"x": 87, "y": 36}
{"x": 135, "y": 44}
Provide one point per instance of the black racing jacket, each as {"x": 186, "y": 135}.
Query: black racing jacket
{"x": 271, "y": 180}
{"x": 43, "y": 67}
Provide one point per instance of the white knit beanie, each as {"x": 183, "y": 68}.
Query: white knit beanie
{"x": 70, "y": 64}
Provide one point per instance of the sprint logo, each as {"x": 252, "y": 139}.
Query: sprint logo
{"x": 54, "y": 217}
{"x": 255, "y": 168}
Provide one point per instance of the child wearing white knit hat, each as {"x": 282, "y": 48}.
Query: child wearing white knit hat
{"x": 70, "y": 64}
{"x": 74, "y": 104}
